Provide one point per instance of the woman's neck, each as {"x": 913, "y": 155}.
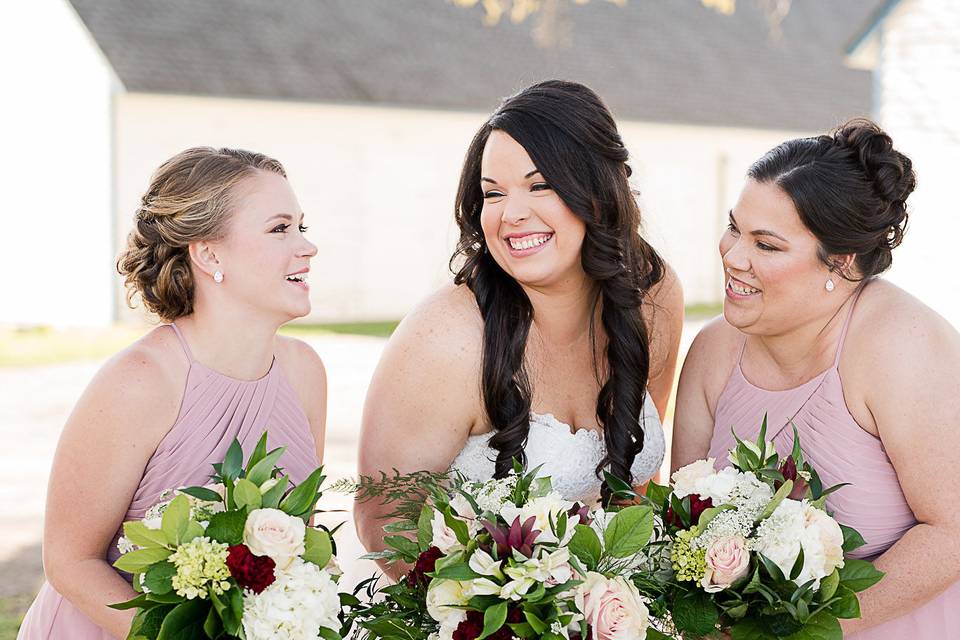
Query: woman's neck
{"x": 241, "y": 349}
{"x": 562, "y": 315}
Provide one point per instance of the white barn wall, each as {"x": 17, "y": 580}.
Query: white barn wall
{"x": 377, "y": 185}
{"x": 918, "y": 83}
{"x": 55, "y": 249}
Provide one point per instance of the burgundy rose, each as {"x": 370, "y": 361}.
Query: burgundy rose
{"x": 697, "y": 507}
{"x": 250, "y": 571}
{"x": 426, "y": 563}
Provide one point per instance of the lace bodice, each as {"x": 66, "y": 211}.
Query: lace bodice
{"x": 569, "y": 457}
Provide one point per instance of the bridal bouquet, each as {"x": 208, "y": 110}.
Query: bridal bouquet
{"x": 236, "y": 559}
{"x": 510, "y": 558}
{"x": 751, "y": 549}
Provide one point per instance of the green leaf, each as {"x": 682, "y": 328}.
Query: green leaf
{"x": 262, "y": 471}
{"x": 653, "y": 634}
{"x": 458, "y": 526}
{"x": 258, "y": 454}
{"x": 329, "y": 634}
{"x": 797, "y": 566}
{"x": 585, "y": 545}
{"x": 407, "y": 547}
{"x": 158, "y": 577}
{"x": 194, "y": 530}
{"x": 778, "y": 497}
{"x": 695, "y": 612}
{"x": 538, "y": 625}
{"x": 233, "y": 462}
{"x": 628, "y": 532}
{"x": 750, "y": 629}
{"x": 148, "y": 624}
{"x": 303, "y": 498}
{"x": 247, "y": 494}
{"x": 493, "y": 619}
{"x": 202, "y": 493}
{"x": 175, "y": 519}
{"x": 772, "y": 568}
{"x": 845, "y": 603}
{"x": 851, "y": 539}
{"x": 858, "y": 575}
{"x": 657, "y": 494}
{"x": 213, "y": 625}
{"x": 272, "y": 496}
{"x": 133, "y": 603}
{"x": 822, "y": 626}
{"x": 459, "y": 571}
{"x": 185, "y": 621}
{"x": 317, "y": 547}
{"x": 227, "y": 527}
{"x": 139, "y": 534}
{"x": 235, "y": 612}
{"x": 828, "y": 586}
{"x": 138, "y": 561}
{"x": 425, "y": 528}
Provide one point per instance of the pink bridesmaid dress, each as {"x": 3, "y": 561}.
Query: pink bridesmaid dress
{"x": 215, "y": 410}
{"x": 841, "y": 451}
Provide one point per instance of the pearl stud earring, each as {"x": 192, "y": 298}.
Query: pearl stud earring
{"x": 829, "y": 286}
{"x": 218, "y": 278}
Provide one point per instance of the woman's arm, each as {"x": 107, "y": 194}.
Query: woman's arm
{"x": 103, "y": 450}
{"x": 664, "y": 319}
{"x": 911, "y": 383}
{"x": 309, "y": 380}
{"x": 422, "y": 403}
{"x": 705, "y": 369}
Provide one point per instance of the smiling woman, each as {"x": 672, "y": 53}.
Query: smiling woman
{"x": 556, "y": 344}
{"x": 812, "y": 339}
{"x": 214, "y": 253}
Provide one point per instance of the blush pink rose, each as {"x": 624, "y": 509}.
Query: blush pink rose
{"x": 612, "y": 607}
{"x": 727, "y": 561}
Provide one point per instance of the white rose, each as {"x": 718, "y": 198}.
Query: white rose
{"x": 685, "y": 478}
{"x": 543, "y": 509}
{"x": 443, "y": 536}
{"x": 442, "y": 598}
{"x": 613, "y": 607}
{"x": 273, "y": 533}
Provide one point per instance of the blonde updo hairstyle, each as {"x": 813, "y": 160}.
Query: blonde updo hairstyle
{"x": 189, "y": 200}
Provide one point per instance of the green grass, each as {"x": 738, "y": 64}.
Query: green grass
{"x": 12, "y": 610}
{"x": 702, "y": 310}
{"x": 44, "y": 346}
{"x": 38, "y": 346}
{"x": 383, "y": 329}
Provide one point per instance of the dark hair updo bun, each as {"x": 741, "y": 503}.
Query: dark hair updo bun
{"x": 850, "y": 189}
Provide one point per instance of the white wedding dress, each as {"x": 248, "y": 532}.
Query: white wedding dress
{"x": 569, "y": 457}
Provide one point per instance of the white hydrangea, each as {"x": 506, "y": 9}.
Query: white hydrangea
{"x": 796, "y": 525}
{"x": 302, "y": 599}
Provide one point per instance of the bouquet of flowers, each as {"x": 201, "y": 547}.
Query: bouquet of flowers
{"x": 752, "y": 550}
{"x": 510, "y": 558}
{"x": 235, "y": 559}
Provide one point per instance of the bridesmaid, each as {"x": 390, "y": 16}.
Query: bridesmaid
{"x": 218, "y": 253}
{"x": 868, "y": 374}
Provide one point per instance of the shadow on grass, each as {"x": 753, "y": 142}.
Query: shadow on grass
{"x": 22, "y": 576}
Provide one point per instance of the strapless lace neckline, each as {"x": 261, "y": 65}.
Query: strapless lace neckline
{"x": 569, "y": 456}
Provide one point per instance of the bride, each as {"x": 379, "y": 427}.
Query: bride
{"x": 556, "y": 345}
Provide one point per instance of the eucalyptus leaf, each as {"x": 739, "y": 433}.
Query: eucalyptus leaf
{"x": 317, "y": 547}
{"x": 138, "y": 561}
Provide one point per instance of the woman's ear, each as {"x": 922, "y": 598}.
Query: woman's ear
{"x": 203, "y": 255}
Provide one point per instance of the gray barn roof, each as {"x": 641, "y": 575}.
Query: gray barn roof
{"x": 652, "y": 60}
